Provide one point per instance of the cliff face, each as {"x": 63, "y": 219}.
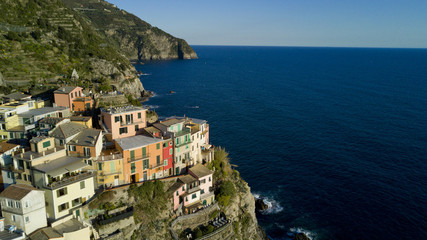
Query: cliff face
{"x": 41, "y": 41}
{"x": 137, "y": 39}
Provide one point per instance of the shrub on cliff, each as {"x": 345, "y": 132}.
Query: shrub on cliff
{"x": 150, "y": 198}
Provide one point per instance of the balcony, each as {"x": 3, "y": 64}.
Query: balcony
{"x": 110, "y": 157}
{"x": 69, "y": 180}
{"x": 138, "y": 158}
{"x": 183, "y": 143}
{"x": 156, "y": 166}
{"x": 184, "y": 131}
{"x": 193, "y": 190}
{"x": 106, "y": 174}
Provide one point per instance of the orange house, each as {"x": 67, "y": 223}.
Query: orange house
{"x": 142, "y": 157}
{"x": 88, "y": 143}
{"x": 82, "y": 104}
{"x": 65, "y": 96}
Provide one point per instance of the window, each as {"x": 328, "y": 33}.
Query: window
{"x": 158, "y": 159}
{"x": 82, "y": 185}
{"x": 100, "y": 166}
{"x": 158, "y": 146}
{"x": 123, "y": 130}
{"x": 61, "y": 192}
{"x": 10, "y": 203}
{"x": 63, "y": 207}
{"x": 183, "y": 188}
{"x": 186, "y": 199}
{"x": 18, "y": 204}
{"x": 177, "y": 193}
{"x": 132, "y": 168}
{"x": 46, "y": 144}
{"x": 136, "y": 128}
{"x": 116, "y": 119}
{"x": 171, "y": 128}
{"x": 27, "y": 204}
{"x": 165, "y": 162}
{"x": 27, "y": 165}
{"x": 139, "y": 115}
{"x": 10, "y": 135}
{"x": 87, "y": 151}
{"x": 203, "y": 181}
{"x": 71, "y": 95}
{"x": 170, "y": 151}
{"x": 164, "y": 145}
{"x": 13, "y": 218}
{"x": 27, "y": 219}
{"x": 193, "y": 196}
{"x": 209, "y": 179}
{"x": 76, "y": 202}
{"x": 170, "y": 143}
{"x": 145, "y": 164}
{"x": 203, "y": 191}
{"x": 72, "y": 148}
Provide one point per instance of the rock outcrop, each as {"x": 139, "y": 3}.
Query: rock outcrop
{"x": 137, "y": 39}
{"x": 260, "y": 205}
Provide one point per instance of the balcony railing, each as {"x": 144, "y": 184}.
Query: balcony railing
{"x": 152, "y": 166}
{"x": 69, "y": 180}
{"x": 183, "y": 132}
{"x": 105, "y": 174}
{"x": 183, "y": 143}
{"x": 138, "y": 158}
{"x": 110, "y": 157}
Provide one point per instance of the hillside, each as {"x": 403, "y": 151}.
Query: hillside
{"x": 137, "y": 39}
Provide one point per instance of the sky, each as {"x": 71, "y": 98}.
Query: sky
{"x": 334, "y": 23}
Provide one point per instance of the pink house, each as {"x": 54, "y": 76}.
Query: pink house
{"x": 65, "y": 96}
{"x": 193, "y": 191}
{"x": 124, "y": 122}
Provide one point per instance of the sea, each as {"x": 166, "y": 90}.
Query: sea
{"x": 335, "y": 139}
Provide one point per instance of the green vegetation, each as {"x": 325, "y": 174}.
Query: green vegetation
{"x": 150, "y": 200}
{"x": 103, "y": 201}
{"x": 133, "y": 101}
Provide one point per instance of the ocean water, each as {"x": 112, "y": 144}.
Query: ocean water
{"x": 334, "y": 138}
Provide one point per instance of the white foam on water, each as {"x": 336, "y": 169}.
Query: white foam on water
{"x": 152, "y": 106}
{"x": 296, "y": 230}
{"x": 273, "y": 205}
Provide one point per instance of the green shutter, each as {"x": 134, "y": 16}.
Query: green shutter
{"x": 132, "y": 167}
{"x": 132, "y": 155}
{"x": 46, "y": 144}
{"x": 158, "y": 160}
{"x": 112, "y": 167}
{"x": 158, "y": 146}
{"x": 100, "y": 166}
{"x": 144, "y": 151}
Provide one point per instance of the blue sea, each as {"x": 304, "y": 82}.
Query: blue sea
{"x": 334, "y": 138}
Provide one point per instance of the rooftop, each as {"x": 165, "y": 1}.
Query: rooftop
{"x": 136, "y": 142}
{"x": 88, "y": 137}
{"x": 172, "y": 121}
{"x": 4, "y": 147}
{"x": 82, "y": 99}
{"x": 200, "y": 171}
{"x": 67, "y": 130}
{"x": 45, "y": 234}
{"x": 40, "y": 111}
{"x": 80, "y": 118}
{"x": 66, "y": 89}
{"x": 17, "y": 191}
{"x": 29, "y": 155}
{"x": 6, "y": 235}
{"x": 38, "y": 139}
{"x": 17, "y": 96}
{"x": 71, "y": 225}
{"x": 187, "y": 179}
{"x": 61, "y": 166}
{"x": 117, "y": 110}
{"x": 152, "y": 130}
{"x": 51, "y": 120}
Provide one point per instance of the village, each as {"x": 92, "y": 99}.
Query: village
{"x": 57, "y": 156}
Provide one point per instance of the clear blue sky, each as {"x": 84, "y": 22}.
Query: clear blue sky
{"x": 345, "y": 23}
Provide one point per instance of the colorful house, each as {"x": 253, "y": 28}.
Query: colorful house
{"x": 82, "y": 104}
{"x": 142, "y": 158}
{"x": 194, "y": 190}
{"x": 175, "y": 129}
{"x": 65, "y": 96}
{"x": 123, "y": 122}
{"x": 83, "y": 120}
{"x": 65, "y": 132}
{"x": 167, "y": 149}
{"x": 201, "y": 150}
{"x": 109, "y": 168}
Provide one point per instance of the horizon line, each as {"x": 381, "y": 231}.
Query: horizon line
{"x": 295, "y": 46}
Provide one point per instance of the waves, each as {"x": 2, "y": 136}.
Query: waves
{"x": 274, "y": 206}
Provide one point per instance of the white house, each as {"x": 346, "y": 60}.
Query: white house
{"x": 7, "y": 177}
{"x": 23, "y": 206}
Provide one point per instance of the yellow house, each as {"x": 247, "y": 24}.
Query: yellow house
{"x": 109, "y": 167}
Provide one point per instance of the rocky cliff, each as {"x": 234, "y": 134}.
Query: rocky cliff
{"x": 41, "y": 42}
{"x": 137, "y": 39}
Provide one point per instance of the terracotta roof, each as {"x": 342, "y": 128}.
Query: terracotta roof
{"x": 4, "y": 147}
{"x": 17, "y": 191}
{"x": 200, "y": 171}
